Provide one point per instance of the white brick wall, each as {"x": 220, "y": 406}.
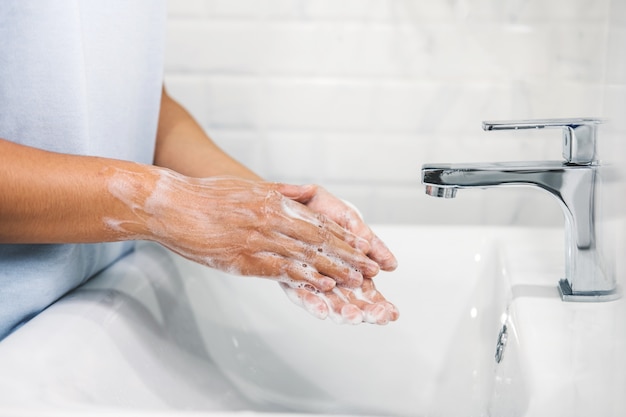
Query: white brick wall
{"x": 358, "y": 94}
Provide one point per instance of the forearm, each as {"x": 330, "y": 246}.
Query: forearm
{"x": 48, "y": 197}
{"x": 183, "y": 146}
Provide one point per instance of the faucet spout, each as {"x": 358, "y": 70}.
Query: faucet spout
{"x": 587, "y": 276}
{"x": 549, "y": 175}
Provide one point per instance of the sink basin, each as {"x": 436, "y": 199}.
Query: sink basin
{"x": 157, "y": 333}
{"x": 444, "y": 342}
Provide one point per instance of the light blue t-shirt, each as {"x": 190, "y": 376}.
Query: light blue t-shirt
{"x": 80, "y": 77}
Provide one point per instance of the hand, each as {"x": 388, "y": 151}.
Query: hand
{"x": 345, "y": 305}
{"x": 345, "y": 215}
{"x": 250, "y": 228}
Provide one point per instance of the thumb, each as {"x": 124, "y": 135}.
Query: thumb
{"x": 300, "y": 193}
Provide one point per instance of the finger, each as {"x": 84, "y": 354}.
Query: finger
{"x": 378, "y": 251}
{"x": 306, "y": 258}
{"x": 332, "y": 267}
{"x": 343, "y": 213}
{"x": 349, "y": 226}
{"x": 346, "y": 234}
{"x": 299, "y": 193}
{"x": 310, "y": 227}
{"x": 328, "y": 255}
{"x": 341, "y": 310}
{"x": 369, "y": 293}
{"x": 376, "y": 313}
{"x": 297, "y": 211}
{"x": 274, "y": 266}
{"x": 314, "y": 305}
{"x": 328, "y": 244}
{"x": 349, "y": 218}
{"x": 381, "y": 254}
{"x": 378, "y": 310}
{"x": 371, "y": 312}
{"x": 346, "y": 306}
{"x": 302, "y": 272}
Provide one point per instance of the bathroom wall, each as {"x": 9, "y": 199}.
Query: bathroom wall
{"x": 357, "y": 94}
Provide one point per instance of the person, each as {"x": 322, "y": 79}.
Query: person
{"x": 96, "y": 155}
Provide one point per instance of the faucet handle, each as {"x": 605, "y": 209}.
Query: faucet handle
{"x": 579, "y": 135}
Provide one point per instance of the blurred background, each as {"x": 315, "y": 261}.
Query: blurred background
{"x": 357, "y": 94}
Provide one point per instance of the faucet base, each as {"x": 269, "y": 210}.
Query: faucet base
{"x": 591, "y": 296}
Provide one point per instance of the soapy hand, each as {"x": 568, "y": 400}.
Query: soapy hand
{"x": 284, "y": 232}
{"x": 247, "y": 228}
{"x": 345, "y": 305}
{"x": 347, "y": 216}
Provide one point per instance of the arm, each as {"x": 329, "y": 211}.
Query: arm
{"x": 182, "y": 145}
{"x": 48, "y": 197}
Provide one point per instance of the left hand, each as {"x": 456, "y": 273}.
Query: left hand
{"x": 345, "y": 305}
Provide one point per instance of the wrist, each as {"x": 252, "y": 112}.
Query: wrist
{"x": 132, "y": 187}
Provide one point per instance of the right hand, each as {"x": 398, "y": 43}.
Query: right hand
{"x": 250, "y": 228}
{"x": 345, "y": 305}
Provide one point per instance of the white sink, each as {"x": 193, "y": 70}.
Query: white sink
{"x": 444, "y": 342}
{"x": 156, "y": 333}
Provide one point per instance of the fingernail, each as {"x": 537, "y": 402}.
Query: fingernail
{"x": 395, "y": 313}
{"x": 316, "y": 308}
{"x": 326, "y": 284}
{"x": 377, "y": 314}
{"x": 352, "y": 314}
{"x": 372, "y": 268}
{"x": 390, "y": 264}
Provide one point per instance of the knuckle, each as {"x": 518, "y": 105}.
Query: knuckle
{"x": 254, "y": 238}
{"x": 272, "y": 200}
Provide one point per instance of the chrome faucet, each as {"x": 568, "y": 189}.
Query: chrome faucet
{"x": 589, "y": 272}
